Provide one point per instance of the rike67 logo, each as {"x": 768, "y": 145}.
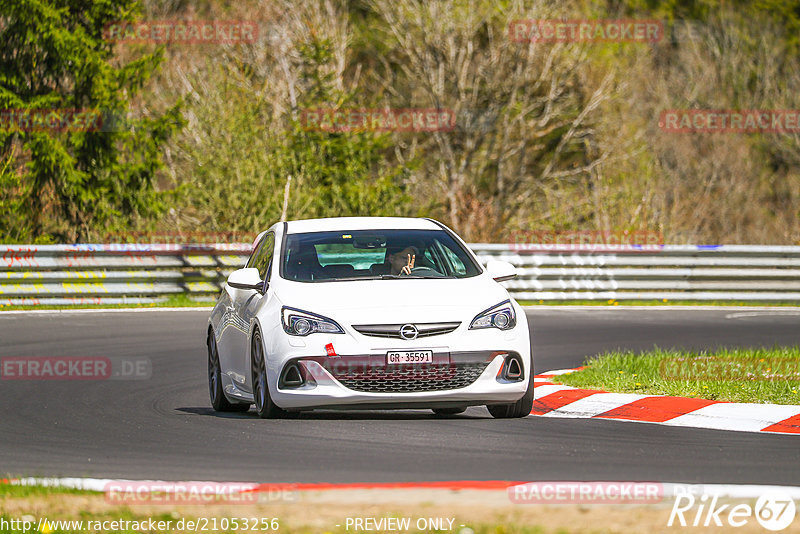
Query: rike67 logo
{"x": 774, "y": 510}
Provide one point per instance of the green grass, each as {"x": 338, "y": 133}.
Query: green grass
{"x": 736, "y": 375}
{"x": 657, "y": 302}
{"x": 16, "y": 490}
{"x": 173, "y": 301}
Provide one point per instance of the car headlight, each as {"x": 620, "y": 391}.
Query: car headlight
{"x": 302, "y": 323}
{"x": 501, "y": 316}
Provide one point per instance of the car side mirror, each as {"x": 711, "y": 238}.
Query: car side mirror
{"x": 247, "y": 278}
{"x": 500, "y": 270}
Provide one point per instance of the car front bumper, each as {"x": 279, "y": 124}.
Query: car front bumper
{"x": 346, "y": 381}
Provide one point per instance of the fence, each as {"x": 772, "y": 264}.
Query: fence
{"x": 137, "y": 273}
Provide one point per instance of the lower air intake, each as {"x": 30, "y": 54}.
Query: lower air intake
{"x": 413, "y": 379}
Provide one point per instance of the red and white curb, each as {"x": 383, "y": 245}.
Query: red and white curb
{"x": 556, "y": 400}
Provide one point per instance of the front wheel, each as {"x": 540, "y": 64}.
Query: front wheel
{"x": 521, "y": 408}
{"x": 265, "y": 408}
{"x": 217, "y": 396}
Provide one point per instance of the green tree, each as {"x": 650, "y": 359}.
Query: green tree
{"x": 345, "y": 172}
{"x": 238, "y": 152}
{"x": 64, "y": 184}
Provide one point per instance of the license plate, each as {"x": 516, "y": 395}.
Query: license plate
{"x": 409, "y": 356}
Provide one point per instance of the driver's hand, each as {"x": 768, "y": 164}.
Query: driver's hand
{"x": 410, "y": 265}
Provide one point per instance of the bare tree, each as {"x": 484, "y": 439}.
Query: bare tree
{"x": 723, "y": 187}
{"x": 524, "y": 110}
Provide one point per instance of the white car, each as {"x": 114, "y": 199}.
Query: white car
{"x": 368, "y": 313}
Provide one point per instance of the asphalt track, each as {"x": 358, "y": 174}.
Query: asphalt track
{"x": 162, "y": 428}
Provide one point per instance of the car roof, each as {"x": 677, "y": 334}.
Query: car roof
{"x": 337, "y": 224}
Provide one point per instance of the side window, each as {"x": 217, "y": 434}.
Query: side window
{"x": 263, "y": 258}
{"x": 256, "y": 251}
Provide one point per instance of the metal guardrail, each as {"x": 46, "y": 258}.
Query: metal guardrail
{"x": 114, "y": 273}
{"x": 672, "y": 272}
{"x": 143, "y": 273}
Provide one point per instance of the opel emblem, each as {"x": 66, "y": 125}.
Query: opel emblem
{"x": 409, "y": 332}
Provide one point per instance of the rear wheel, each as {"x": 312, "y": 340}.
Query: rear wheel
{"x": 215, "y": 393}
{"x": 265, "y": 408}
{"x": 449, "y": 411}
{"x": 521, "y": 408}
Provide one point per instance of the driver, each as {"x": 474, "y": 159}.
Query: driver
{"x": 403, "y": 261}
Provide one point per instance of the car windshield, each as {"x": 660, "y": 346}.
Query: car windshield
{"x": 375, "y": 255}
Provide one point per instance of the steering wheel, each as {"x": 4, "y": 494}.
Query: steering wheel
{"x": 425, "y": 270}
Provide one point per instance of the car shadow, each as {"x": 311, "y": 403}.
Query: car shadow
{"x": 347, "y": 415}
{"x": 212, "y": 413}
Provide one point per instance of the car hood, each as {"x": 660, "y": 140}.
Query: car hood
{"x": 395, "y": 301}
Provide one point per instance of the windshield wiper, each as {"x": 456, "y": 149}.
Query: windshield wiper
{"x": 381, "y": 277}
{"x": 375, "y": 277}
{"x": 345, "y": 278}
{"x": 415, "y": 276}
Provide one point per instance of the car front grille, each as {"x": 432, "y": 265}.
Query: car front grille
{"x": 408, "y": 379}
{"x": 393, "y": 330}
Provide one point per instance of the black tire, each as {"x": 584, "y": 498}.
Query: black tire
{"x": 218, "y": 400}
{"x": 265, "y": 408}
{"x": 449, "y": 411}
{"x": 521, "y": 408}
